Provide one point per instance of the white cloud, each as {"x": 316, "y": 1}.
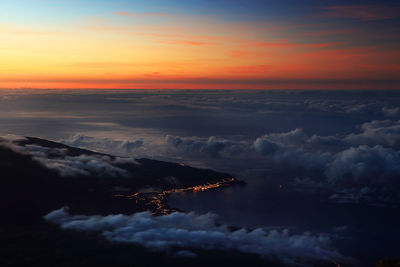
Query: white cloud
{"x": 190, "y": 230}
{"x": 346, "y": 165}
{"x": 385, "y": 133}
{"x": 59, "y": 160}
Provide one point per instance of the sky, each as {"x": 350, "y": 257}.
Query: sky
{"x": 196, "y": 44}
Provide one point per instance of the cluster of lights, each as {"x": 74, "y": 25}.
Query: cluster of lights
{"x": 157, "y": 199}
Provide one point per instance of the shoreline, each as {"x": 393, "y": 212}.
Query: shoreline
{"x": 156, "y": 202}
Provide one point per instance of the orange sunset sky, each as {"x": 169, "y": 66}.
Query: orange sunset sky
{"x": 199, "y": 45}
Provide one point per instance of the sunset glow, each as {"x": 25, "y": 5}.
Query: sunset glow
{"x": 130, "y": 44}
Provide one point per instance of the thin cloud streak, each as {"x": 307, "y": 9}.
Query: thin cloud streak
{"x": 362, "y": 12}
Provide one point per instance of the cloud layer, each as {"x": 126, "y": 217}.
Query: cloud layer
{"x": 345, "y": 141}
{"x": 198, "y": 231}
{"x": 365, "y": 164}
{"x": 366, "y": 161}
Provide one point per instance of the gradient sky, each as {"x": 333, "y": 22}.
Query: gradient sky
{"x": 194, "y": 44}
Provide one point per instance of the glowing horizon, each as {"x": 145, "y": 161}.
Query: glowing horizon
{"x": 184, "y": 45}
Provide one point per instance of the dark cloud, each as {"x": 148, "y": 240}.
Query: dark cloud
{"x": 265, "y": 146}
{"x": 131, "y": 145}
{"x": 198, "y": 231}
{"x": 211, "y": 146}
{"x": 103, "y": 144}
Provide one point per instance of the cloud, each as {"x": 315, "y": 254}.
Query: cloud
{"x": 131, "y": 145}
{"x": 294, "y": 137}
{"x": 211, "y": 146}
{"x": 103, "y": 65}
{"x": 190, "y": 230}
{"x": 265, "y": 146}
{"x": 68, "y": 166}
{"x": 253, "y": 69}
{"x": 363, "y": 166}
{"x": 296, "y": 141}
{"x": 330, "y": 32}
{"x": 104, "y": 144}
{"x": 6, "y": 140}
{"x": 298, "y": 147}
{"x": 362, "y": 12}
{"x": 100, "y": 166}
{"x": 286, "y": 44}
{"x": 385, "y": 133}
{"x": 391, "y": 112}
{"x": 369, "y": 158}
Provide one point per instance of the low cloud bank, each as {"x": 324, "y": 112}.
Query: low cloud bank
{"x": 359, "y": 167}
{"x": 367, "y": 163}
{"x": 198, "y": 231}
{"x": 376, "y": 133}
{"x": 100, "y": 166}
{"x": 59, "y": 160}
{"x": 363, "y": 164}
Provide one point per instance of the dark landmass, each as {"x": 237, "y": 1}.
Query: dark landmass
{"x": 29, "y": 190}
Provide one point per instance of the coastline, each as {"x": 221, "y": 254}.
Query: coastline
{"x": 156, "y": 202}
